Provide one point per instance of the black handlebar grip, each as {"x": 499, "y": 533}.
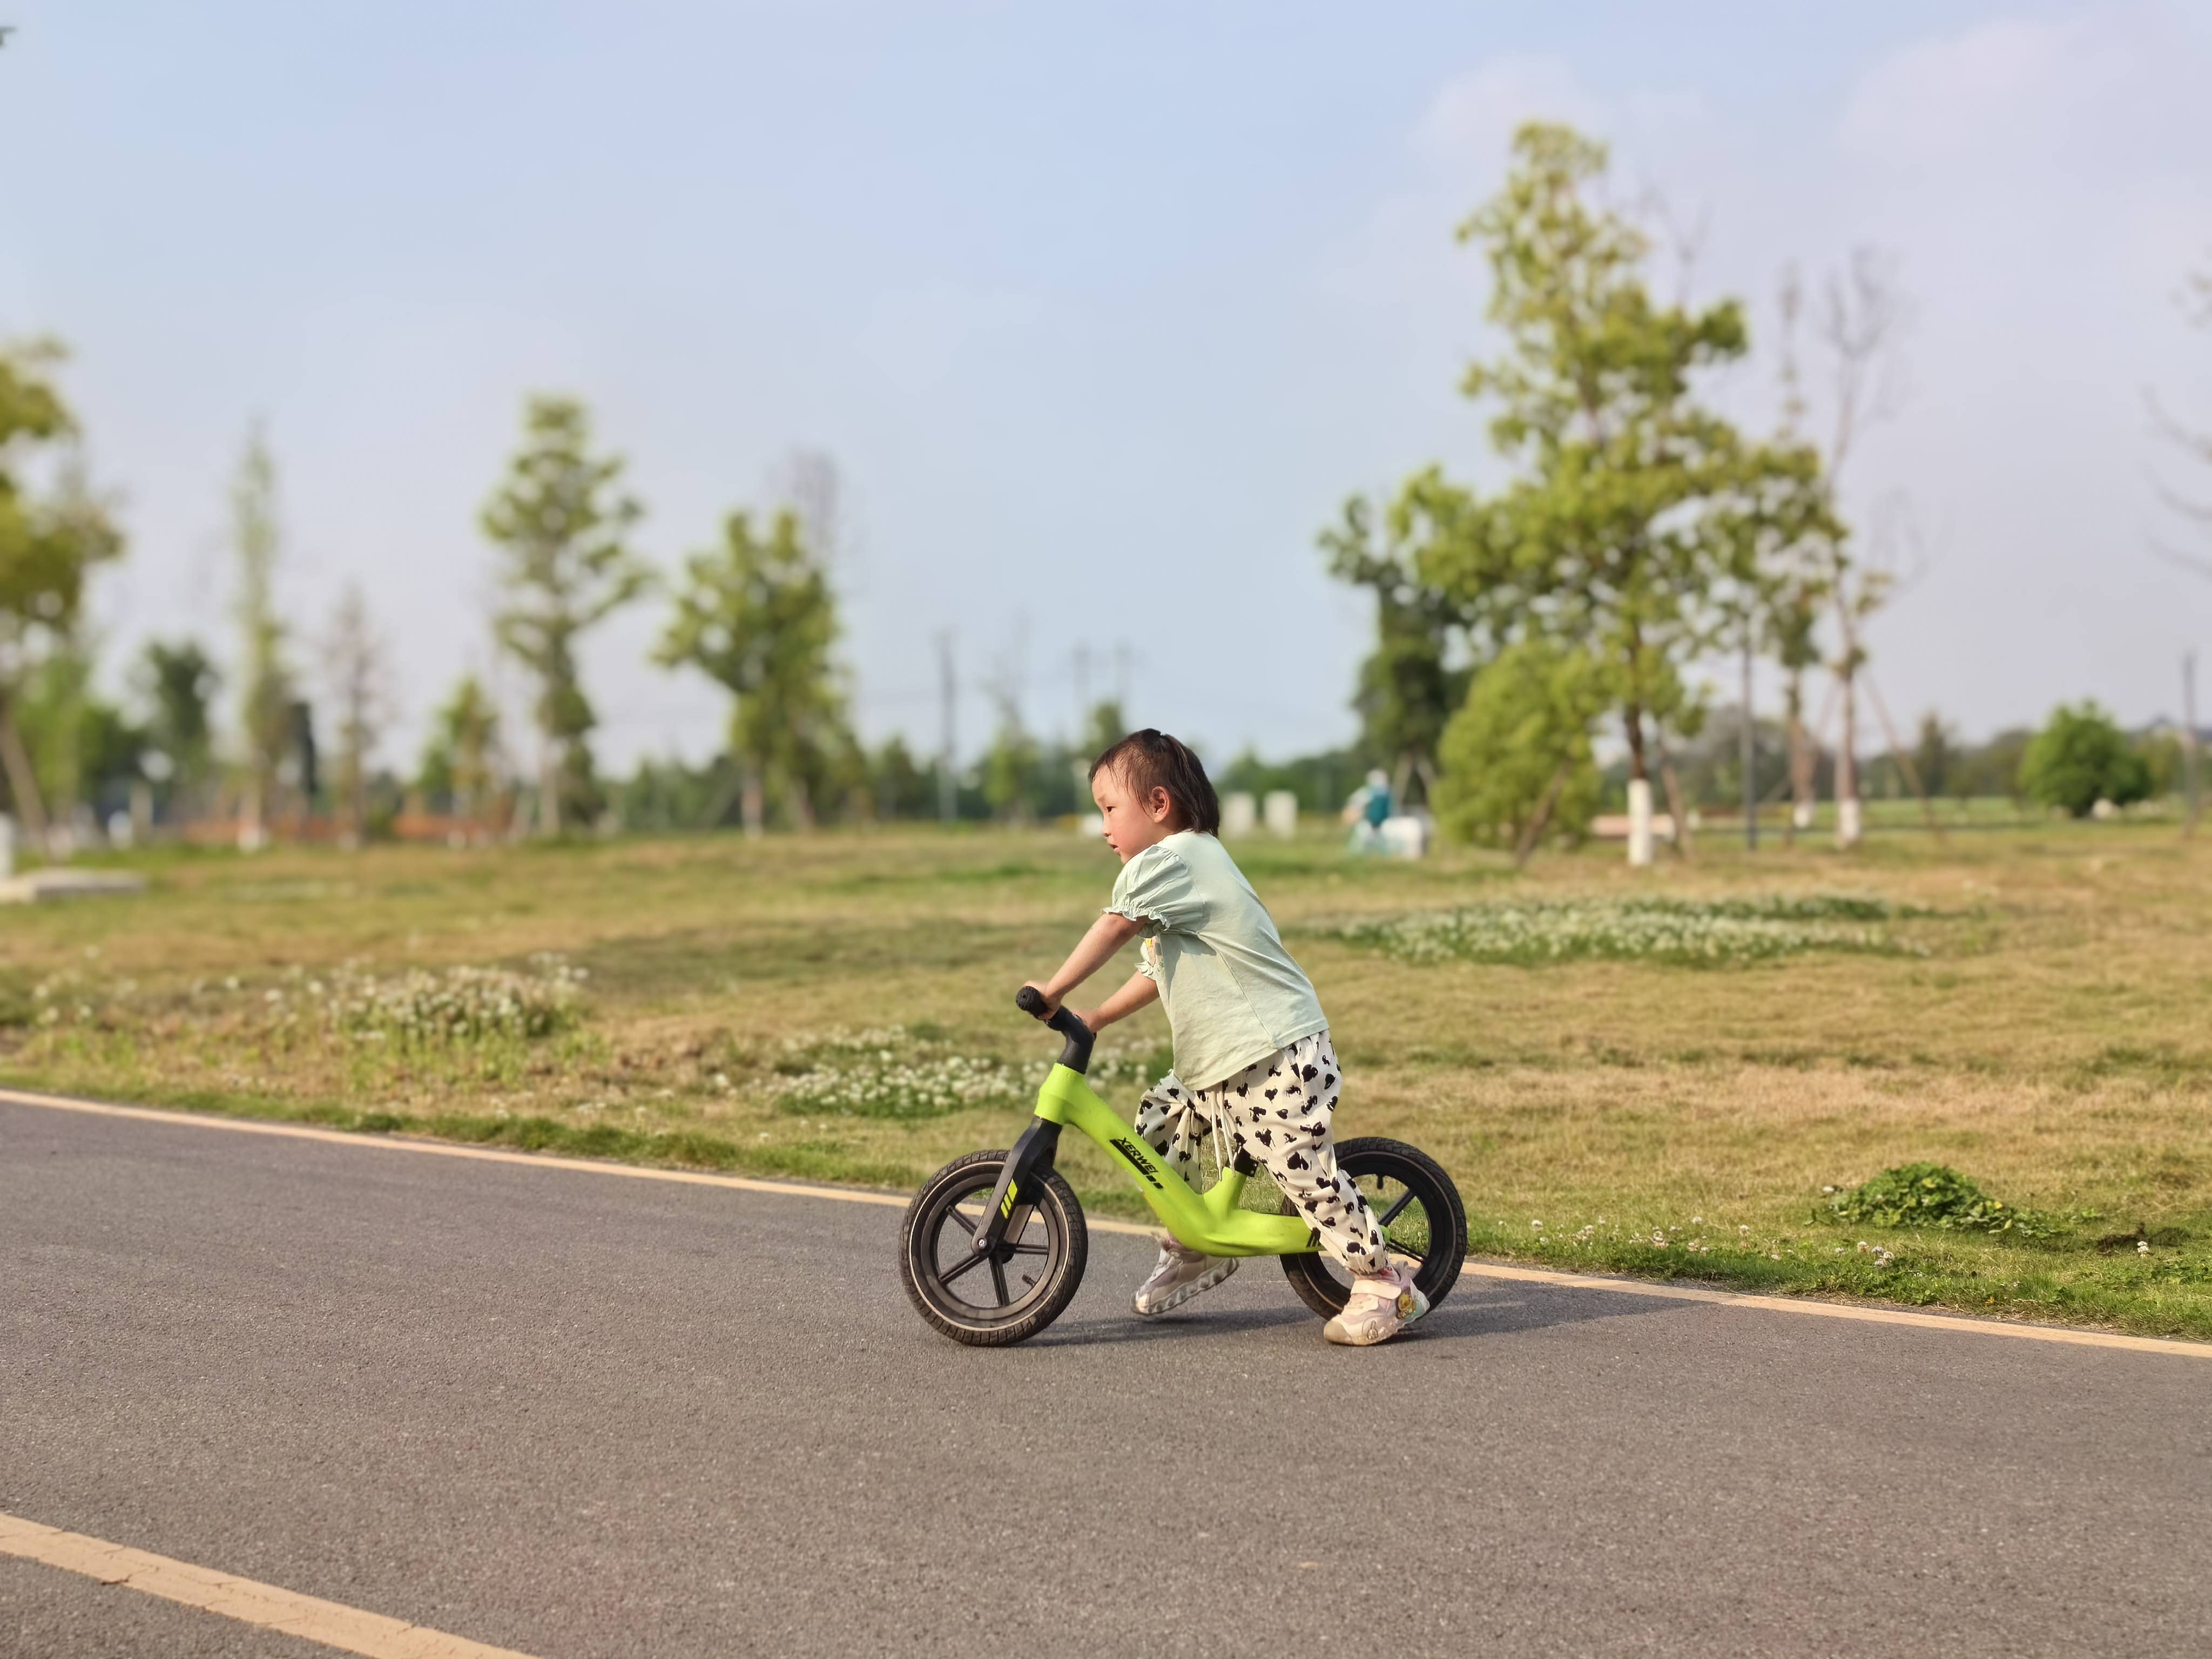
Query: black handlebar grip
{"x": 1030, "y": 1001}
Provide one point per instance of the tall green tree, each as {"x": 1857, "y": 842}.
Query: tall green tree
{"x": 1609, "y": 539}
{"x": 51, "y": 540}
{"x": 757, "y": 615}
{"x": 562, "y": 523}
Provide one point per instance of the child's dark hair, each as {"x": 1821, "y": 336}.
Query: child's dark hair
{"x": 1150, "y": 760}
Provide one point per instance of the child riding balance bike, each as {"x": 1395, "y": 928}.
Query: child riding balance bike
{"x": 995, "y": 1243}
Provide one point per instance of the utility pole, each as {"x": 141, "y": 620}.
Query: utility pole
{"x": 2189, "y": 737}
{"x": 1750, "y": 746}
{"x": 948, "y": 690}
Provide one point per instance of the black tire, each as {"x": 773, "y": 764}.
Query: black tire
{"x": 1428, "y": 1223}
{"x": 934, "y": 1259}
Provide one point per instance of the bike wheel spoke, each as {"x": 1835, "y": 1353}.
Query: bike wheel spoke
{"x": 1031, "y": 1249}
{"x": 999, "y": 1279}
{"x": 947, "y": 1275}
{"x": 967, "y": 1226}
{"x": 1391, "y": 1214}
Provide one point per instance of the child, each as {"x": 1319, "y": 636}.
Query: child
{"x": 1251, "y": 1045}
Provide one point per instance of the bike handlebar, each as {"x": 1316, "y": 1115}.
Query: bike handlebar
{"x": 1075, "y": 1054}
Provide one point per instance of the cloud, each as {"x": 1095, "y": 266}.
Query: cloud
{"x": 1473, "y": 116}
{"x": 2003, "y": 87}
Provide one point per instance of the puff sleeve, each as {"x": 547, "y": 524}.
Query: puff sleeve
{"x": 1156, "y": 887}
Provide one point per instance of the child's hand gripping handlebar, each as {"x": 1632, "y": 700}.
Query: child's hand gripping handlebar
{"x": 1076, "y": 1055}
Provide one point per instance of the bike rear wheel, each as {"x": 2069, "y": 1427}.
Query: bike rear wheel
{"x": 1421, "y": 1215}
{"x": 1014, "y": 1292}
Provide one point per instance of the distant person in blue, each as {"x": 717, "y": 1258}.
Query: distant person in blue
{"x": 1368, "y": 810}
{"x": 1378, "y": 800}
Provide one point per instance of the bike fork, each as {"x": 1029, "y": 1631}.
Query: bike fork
{"x": 1027, "y": 1165}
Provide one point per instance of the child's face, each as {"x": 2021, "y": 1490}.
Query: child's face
{"x": 1133, "y": 822}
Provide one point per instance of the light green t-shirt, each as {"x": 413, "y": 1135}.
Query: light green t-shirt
{"x": 1233, "y": 996}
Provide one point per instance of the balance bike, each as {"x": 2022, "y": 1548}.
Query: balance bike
{"x": 995, "y": 1243}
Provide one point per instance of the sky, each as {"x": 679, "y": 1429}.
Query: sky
{"x": 1102, "y": 312}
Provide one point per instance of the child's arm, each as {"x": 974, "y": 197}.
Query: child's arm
{"x": 1107, "y": 936}
{"x": 1141, "y": 991}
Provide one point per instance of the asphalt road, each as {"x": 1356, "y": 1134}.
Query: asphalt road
{"x": 575, "y": 1415}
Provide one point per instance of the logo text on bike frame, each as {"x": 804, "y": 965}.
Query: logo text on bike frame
{"x": 1145, "y": 1165}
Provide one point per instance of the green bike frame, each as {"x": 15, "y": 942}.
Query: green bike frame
{"x": 1211, "y": 1223}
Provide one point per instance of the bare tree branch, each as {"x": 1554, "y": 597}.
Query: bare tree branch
{"x": 2174, "y": 555}
{"x": 1863, "y": 312}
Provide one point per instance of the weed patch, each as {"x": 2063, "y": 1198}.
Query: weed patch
{"x": 1935, "y": 1196}
{"x": 1698, "y": 933}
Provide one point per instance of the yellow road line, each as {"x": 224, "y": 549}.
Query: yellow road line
{"x": 1793, "y": 1304}
{"x": 852, "y": 1195}
{"x": 332, "y": 1623}
{"x": 489, "y": 1155}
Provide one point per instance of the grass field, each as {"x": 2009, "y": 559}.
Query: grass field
{"x": 1661, "y": 1074}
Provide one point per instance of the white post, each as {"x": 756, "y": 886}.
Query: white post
{"x": 1847, "y": 822}
{"x": 7, "y": 846}
{"x": 1238, "y": 814}
{"x": 1281, "y": 811}
{"x": 1639, "y": 822}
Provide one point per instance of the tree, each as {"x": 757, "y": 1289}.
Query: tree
{"x": 562, "y": 525}
{"x": 266, "y": 724}
{"x": 176, "y": 684}
{"x": 1010, "y": 769}
{"x": 1104, "y": 726}
{"x": 353, "y": 658}
{"x": 2080, "y": 758}
{"x": 1795, "y": 597}
{"x": 51, "y": 540}
{"x": 1406, "y": 689}
{"x": 1935, "y": 754}
{"x": 1516, "y": 757}
{"x": 1608, "y": 541}
{"x": 1863, "y": 312}
{"x": 461, "y": 762}
{"x": 1767, "y": 526}
{"x": 758, "y": 617}
{"x": 2193, "y": 445}
{"x": 899, "y": 787}
{"x": 81, "y": 747}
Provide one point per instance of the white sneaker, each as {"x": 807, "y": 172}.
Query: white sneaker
{"x": 1379, "y": 1309}
{"x": 1179, "y": 1275}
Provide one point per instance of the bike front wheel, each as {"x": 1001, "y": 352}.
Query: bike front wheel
{"x": 1422, "y": 1220}
{"x": 1014, "y": 1292}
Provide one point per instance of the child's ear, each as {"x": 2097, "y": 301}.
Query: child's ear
{"x": 1160, "y": 804}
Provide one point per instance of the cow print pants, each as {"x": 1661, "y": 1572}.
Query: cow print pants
{"x": 1278, "y": 1111}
